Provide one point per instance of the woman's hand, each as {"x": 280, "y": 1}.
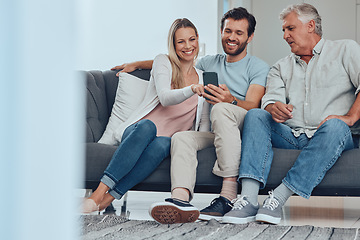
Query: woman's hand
{"x": 126, "y": 67}
{"x": 198, "y": 89}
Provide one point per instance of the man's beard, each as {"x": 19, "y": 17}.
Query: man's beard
{"x": 238, "y": 51}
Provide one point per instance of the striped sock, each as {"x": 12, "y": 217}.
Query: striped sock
{"x": 229, "y": 189}
{"x": 180, "y": 193}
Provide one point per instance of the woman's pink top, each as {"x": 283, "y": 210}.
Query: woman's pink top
{"x": 174, "y": 118}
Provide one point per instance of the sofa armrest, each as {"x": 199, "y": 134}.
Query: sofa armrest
{"x": 97, "y": 113}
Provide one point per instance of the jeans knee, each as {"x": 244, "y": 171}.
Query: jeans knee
{"x": 147, "y": 127}
{"x": 334, "y": 126}
{"x": 163, "y": 145}
{"x": 335, "y": 132}
{"x": 256, "y": 114}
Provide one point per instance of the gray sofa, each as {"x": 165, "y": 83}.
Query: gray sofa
{"x": 342, "y": 180}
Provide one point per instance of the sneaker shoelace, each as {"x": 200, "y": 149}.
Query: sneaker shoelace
{"x": 239, "y": 203}
{"x": 271, "y": 202}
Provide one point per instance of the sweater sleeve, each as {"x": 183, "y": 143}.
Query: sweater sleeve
{"x": 161, "y": 74}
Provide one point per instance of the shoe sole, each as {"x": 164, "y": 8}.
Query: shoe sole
{"x": 236, "y": 220}
{"x": 267, "y": 219}
{"x": 206, "y": 217}
{"x": 168, "y": 213}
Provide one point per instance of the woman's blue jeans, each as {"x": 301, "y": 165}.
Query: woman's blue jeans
{"x": 138, "y": 155}
{"x": 318, "y": 155}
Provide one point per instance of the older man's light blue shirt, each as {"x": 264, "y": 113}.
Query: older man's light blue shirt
{"x": 327, "y": 85}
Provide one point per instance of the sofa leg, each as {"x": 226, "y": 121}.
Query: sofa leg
{"x": 88, "y": 193}
{"x": 110, "y": 210}
{"x": 124, "y": 212}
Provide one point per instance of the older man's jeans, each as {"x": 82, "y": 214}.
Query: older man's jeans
{"x": 138, "y": 155}
{"x": 318, "y": 155}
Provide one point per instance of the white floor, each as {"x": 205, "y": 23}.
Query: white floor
{"x": 342, "y": 212}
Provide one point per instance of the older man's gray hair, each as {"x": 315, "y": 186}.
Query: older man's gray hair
{"x": 305, "y": 12}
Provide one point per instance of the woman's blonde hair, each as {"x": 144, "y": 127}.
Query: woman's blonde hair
{"x": 177, "y": 80}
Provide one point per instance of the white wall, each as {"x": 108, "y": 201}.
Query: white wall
{"x": 111, "y": 32}
{"x": 268, "y": 43}
{"x": 338, "y": 18}
{"x": 358, "y": 24}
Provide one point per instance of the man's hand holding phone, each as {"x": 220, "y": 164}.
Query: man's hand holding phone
{"x": 217, "y": 94}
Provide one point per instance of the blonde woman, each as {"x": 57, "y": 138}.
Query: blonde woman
{"x": 172, "y": 103}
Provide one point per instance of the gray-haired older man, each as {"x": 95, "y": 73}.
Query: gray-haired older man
{"x": 312, "y": 104}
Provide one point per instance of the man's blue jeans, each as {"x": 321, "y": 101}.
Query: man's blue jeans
{"x": 138, "y": 155}
{"x": 318, "y": 155}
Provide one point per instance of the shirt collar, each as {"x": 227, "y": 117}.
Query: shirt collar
{"x": 319, "y": 46}
{"x": 316, "y": 50}
{"x": 243, "y": 59}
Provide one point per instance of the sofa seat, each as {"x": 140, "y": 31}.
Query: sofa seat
{"x": 343, "y": 179}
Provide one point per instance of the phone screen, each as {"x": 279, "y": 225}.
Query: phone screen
{"x": 210, "y": 78}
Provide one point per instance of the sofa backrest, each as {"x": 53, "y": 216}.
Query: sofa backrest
{"x": 101, "y": 91}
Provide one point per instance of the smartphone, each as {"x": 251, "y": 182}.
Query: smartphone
{"x": 210, "y": 78}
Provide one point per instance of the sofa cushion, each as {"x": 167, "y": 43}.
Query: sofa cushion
{"x": 111, "y": 82}
{"x": 98, "y": 157}
{"x": 130, "y": 93}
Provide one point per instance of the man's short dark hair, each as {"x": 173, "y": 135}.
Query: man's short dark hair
{"x": 240, "y": 13}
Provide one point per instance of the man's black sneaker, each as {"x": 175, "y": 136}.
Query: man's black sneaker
{"x": 173, "y": 211}
{"x": 217, "y": 209}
